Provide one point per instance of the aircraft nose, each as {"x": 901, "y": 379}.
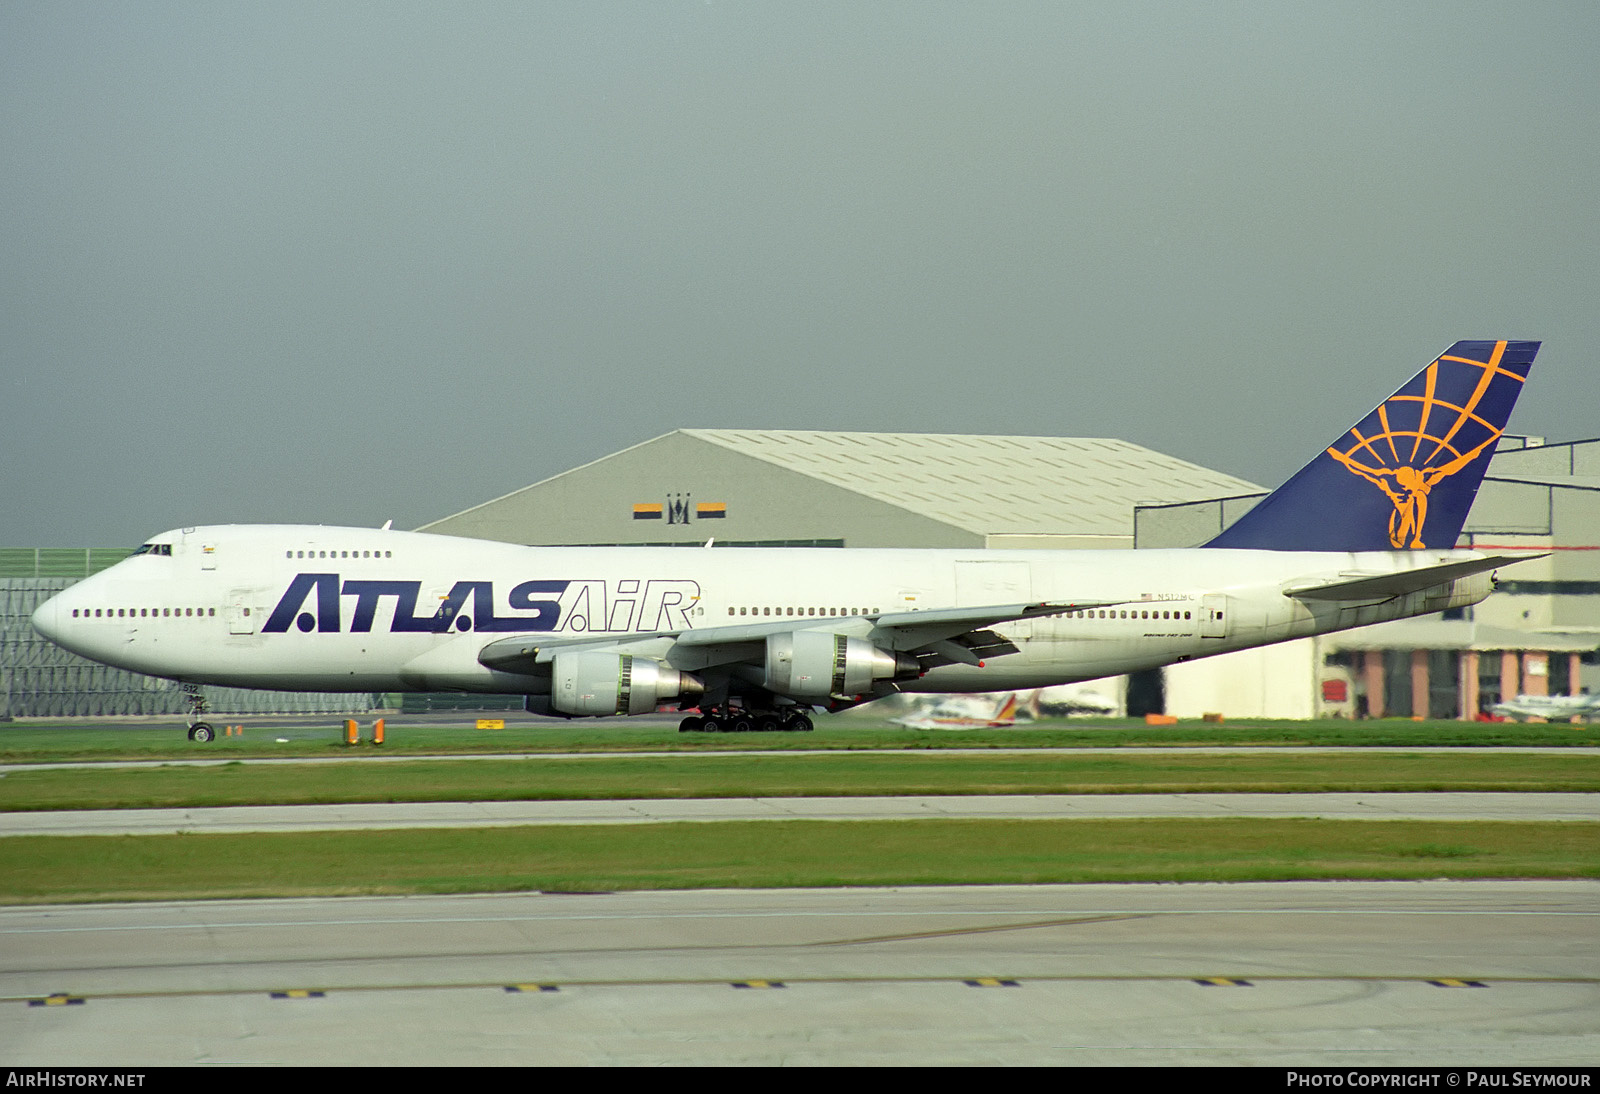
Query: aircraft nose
{"x": 47, "y": 619}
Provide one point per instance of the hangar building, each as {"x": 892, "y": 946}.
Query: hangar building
{"x": 791, "y": 488}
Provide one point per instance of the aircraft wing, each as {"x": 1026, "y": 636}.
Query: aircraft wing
{"x": 1368, "y": 587}
{"x": 910, "y": 631}
{"x": 944, "y": 635}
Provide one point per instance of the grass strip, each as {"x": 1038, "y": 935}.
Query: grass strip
{"x": 589, "y": 858}
{"x": 35, "y": 742}
{"x": 779, "y": 775}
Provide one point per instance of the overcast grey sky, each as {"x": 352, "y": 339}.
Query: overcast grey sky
{"x": 340, "y": 263}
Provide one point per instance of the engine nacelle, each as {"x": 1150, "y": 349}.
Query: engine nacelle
{"x": 817, "y": 664}
{"x": 600, "y": 684}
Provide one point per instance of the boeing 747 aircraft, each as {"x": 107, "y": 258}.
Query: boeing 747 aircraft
{"x": 757, "y": 638}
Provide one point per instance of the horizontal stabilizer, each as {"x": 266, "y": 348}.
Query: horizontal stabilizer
{"x": 1387, "y": 586}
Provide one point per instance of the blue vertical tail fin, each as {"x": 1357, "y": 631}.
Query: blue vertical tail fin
{"x": 1406, "y": 474}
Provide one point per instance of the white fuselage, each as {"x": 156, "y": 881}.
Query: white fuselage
{"x": 352, "y": 609}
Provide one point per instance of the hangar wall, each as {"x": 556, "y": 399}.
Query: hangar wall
{"x": 817, "y": 488}
{"x": 679, "y": 490}
{"x": 1271, "y": 682}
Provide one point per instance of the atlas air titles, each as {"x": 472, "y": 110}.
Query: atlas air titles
{"x": 327, "y": 605}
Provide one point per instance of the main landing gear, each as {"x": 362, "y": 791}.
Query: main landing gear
{"x": 746, "y": 721}
{"x": 203, "y": 732}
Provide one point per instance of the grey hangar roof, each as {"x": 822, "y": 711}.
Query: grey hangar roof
{"x": 848, "y": 489}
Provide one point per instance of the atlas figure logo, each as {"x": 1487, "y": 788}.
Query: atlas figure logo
{"x": 1415, "y": 440}
{"x": 314, "y": 602}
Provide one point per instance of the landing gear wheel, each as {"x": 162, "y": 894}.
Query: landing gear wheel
{"x": 692, "y": 724}
{"x": 711, "y": 724}
{"x": 740, "y": 723}
{"x": 768, "y": 723}
{"x": 196, "y": 698}
{"x": 799, "y": 724}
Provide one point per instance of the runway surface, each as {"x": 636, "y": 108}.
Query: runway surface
{"x": 305, "y": 818}
{"x": 1289, "y": 974}
{"x": 1330, "y": 974}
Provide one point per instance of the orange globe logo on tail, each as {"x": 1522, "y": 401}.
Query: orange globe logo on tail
{"x": 1425, "y": 444}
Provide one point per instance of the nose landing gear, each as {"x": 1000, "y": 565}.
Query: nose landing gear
{"x": 201, "y": 731}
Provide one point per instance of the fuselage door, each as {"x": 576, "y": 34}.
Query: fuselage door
{"x": 243, "y": 618}
{"x": 1213, "y": 623}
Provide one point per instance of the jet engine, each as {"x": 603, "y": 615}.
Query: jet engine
{"x": 817, "y": 664}
{"x": 600, "y": 684}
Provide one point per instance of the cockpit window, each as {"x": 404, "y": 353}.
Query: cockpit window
{"x": 154, "y": 549}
